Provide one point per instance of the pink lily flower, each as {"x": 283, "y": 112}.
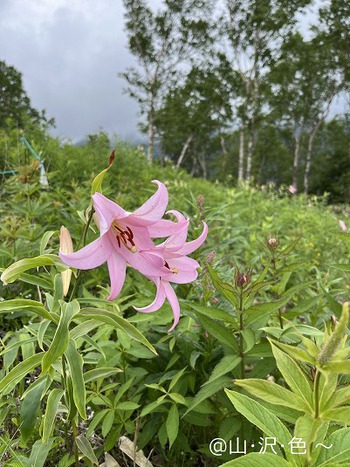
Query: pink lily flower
{"x": 181, "y": 269}
{"x": 125, "y": 237}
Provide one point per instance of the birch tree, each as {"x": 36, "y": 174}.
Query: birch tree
{"x": 255, "y": 31}
{"x": 160, "y": 42}
{"x": 192, "y": 115}
{"x": 303, "y": 86}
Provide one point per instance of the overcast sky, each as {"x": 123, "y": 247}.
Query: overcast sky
{"x": 70, "y": 53}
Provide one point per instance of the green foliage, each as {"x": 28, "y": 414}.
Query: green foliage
{"x": 87, "y": 371}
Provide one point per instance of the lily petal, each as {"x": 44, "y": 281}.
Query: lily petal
{"x": 183, "y": 277}
{"x": 107, "y": 211}
{"x": 157, "y": 302}
{"x": 91, "y": 256}
{"x": 117, "y": 270}
{"x": 149, "y": 263}
{"x": 153, "y": 209}
{"x": 164, "y": 228}
{"x": 174, "y": 303}
{"x": 189, "y": 247}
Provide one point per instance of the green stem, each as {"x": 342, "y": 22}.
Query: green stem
{"x": 75, "y": 434}
{"x": 241, "y": 340}
{"x": 280, "y": 318}
{"x": 317, "y": 395}
{"x": 82, "y": 238}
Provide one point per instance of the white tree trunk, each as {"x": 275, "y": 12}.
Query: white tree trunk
{"x": 241, "y": 155}
{"x": 296, "y": 161}
{"x": 184, "y": 150}
{"x": 311, "y": 141}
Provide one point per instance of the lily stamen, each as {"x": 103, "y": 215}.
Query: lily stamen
{"x": 125, "y": 237}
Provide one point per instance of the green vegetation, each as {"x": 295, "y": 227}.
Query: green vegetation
{"x": 80, "y": 373}
{"x": 257, "y": 370}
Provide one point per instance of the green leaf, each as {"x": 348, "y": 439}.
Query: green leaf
{"x": 339, "y": 397}
{"x": 178, "y": 398}
{"x": 29, "y": 411}
{"x": 214, "y": 313}
{"x": 39, "y": 453}
{"x": 296, "y": 352}
{"x": 30, "y": 306}
{"x": 266, "y": 421}
{"x": 61, "y": 337}
{"x": 311, "y": 431}
{"x": 208, "y": 390}
{"x": 226, "y": 364}
{"x": 176, "y": 378}
{"x": 45, "y": 240}
{"x": 341, "y": 267}
{"x": 85, "y": 447}
{"x": 97, "y": 181}
{"x": 226, "y": 290}
{"x": 153, "y": 406}
{"x": 335, "y": 306}
{"x": 294, "y": 376}
{"x": 338, "y": 415}
{"x": 101, "y": 372}
{"x": 172, "y": 424}
{"x": 340, "y": 450}
{"x": 272, "y": 393}
{"x": 220, "y": 332}
{"x": 338, "y": 367}
{"x": 50, "y": 413}
{"x": 255, "y": 312}
{"x": 9, "y": 381}
{"x": 75, "y": 363}
{"x": 14, "y": 271}
{"x": 82, "y": 329}
{"x": 108, "y": 423}
{"x": 35, "y": 280}
{"x": 128, "y": 405}
{"x": 254, "y": 459}
{"x": 119, "y": 323}
{"x": 327, "y": 386}
{"x": 249, "y": 339}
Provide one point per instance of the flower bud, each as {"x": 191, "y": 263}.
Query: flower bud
{"x": 66, "y": 247}
{"x": 243, "y": 279}
{"x": 272, "y": 243}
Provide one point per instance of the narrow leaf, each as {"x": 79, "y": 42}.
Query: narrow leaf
{"x": 50, "y": 413}
{"x": 172, "y": 424}
{"x": 85, "y": 447}
{"x": 75, "y": 363}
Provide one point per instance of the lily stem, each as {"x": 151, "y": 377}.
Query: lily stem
{"x": 75, "y": 433}
{"x": 82, "y": 238}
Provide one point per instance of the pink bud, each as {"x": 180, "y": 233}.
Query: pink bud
{"x": 66, "y": 247}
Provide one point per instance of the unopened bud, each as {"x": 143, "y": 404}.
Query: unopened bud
{"x": 272, "y": 243}
{"x": 243, "y": 279}
{"x": 210, "y": 257}
{"x": 66, "y": 247}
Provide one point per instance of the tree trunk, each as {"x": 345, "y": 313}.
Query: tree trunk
{"x": 311, "y": 141}
{"x": 296, "y": 161}
{"x": 150, "y": 142}
{"x": 241, "y": 155}
{"x": 250, "y": 156}
{"x": 203, "y": 164}
{"x": 309, "y": 155}
{"x": 184, "y": 150}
